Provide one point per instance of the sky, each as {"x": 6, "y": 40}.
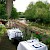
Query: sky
{"x": 21, "y": 5}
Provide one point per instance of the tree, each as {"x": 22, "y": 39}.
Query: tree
{"x": 21, "y": 15}
{"x": 38, "y": 12}
{"x": 30, "y": 11}
{"x": 9, "y": 5}
{"x": 2, "y": 1}
{"x": 14, "y": 13}
{"x": 2, "y": 12}
{"x": 40, "y": 4}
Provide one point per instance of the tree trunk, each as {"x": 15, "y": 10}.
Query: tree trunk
{"x": 9, "y": 5}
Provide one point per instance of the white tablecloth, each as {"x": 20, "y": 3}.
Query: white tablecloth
{"x": 31, "y": 46}
{"x": 14, "y": 33}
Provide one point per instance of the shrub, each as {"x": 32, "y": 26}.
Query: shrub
{"x": 2, "y": 29}
{"x": 47, "y": 42}
{"x": 27, "y": 36}
{"x": 39, "y": 36}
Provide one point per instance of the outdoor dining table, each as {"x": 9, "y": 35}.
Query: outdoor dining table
{"x": 15, "y": 32}
{"x": 31, "y": 45}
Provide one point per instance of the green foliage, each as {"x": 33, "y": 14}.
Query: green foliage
{"x": 40, "y": 4}
{"x": 2, "y": 1}
{"x": 14, "y": 13}
{"x": 3, "y": 12}
{"x": 47, "y": 42}
{"x": 30, "y": 12}
{"x": 26, "y": 36}
{"x": 39, "y": 36}
{"x": 21, "y": 15}
{"x": 2, "y": 29}
{"x": 39, "y": 12}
